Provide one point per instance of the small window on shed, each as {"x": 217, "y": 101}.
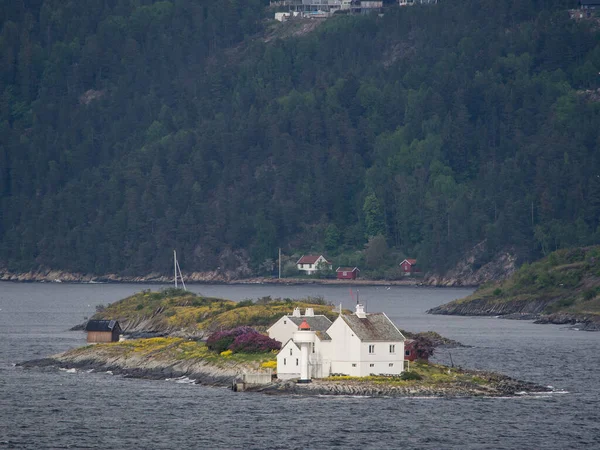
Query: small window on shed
{"x": 407, "y": 352}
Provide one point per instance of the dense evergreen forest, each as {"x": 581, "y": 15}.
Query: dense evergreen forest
{"x": 132, "y": 127}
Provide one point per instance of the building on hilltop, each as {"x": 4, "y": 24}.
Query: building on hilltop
{"x": 358, "y": 344}
{"x": 103, "y": 331}
{"x": 313, "y": 263}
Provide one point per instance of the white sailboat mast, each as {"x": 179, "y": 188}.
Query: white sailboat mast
{"x": 177, "y": 271}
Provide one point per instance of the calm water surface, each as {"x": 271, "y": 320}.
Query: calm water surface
{"x": 55, "y": 409}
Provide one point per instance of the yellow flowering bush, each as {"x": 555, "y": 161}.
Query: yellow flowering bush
{"x": 269, "y": 365}
{"x": 226, "y": 353}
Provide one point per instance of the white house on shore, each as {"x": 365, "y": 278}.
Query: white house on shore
{"x": 358, "y": 344}
{"x": 313, "y": 263}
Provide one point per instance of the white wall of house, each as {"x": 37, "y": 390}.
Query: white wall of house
{"x": 288, "y": 361}
{"x": 312, "y": 268}
{"x": 379, "y": 357}
{"x": 345, "y": 349}
{"x": 319, "y": 360}
{"x": 282, "y": 330}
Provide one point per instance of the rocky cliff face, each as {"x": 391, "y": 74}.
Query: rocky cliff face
{"x": 468, "y": 272}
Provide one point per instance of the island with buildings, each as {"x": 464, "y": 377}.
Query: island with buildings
{"x": 274, "y": 346}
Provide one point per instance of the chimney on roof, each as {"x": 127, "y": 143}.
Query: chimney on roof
{"x": 296, "y": 312}
{"x": 360, "y": 311}
{"x": 309, "y": 312}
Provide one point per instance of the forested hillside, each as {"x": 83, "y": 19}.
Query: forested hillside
{"x": 132, "y": 127}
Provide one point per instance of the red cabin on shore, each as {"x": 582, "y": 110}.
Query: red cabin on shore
{"x": 409, "y": 266}
{"x": 347, "y": 273}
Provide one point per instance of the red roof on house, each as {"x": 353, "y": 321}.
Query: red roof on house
{"x": 412, "y": 262}
{"x": 310, "y": 259}
{"x": 348, "y": 269}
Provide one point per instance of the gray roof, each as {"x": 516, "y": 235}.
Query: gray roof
{"x": 374, "y": 327}
{"x": 316, "y": 323}
{"x": 323, "y": 336}
{"x": 102, "y": 325}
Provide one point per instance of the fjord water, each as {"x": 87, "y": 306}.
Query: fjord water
{"x": 51, "y": 408}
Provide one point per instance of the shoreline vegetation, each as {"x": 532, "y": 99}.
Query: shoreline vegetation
{"x": 165, "y": 334}
{"x": 562, "y": 288}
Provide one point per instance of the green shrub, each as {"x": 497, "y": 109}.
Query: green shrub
{"x": 244, "y": 303}
{"x": 411, "y": 376}
{"x": 590, "y": 294}
{"x": 497, "y": 292}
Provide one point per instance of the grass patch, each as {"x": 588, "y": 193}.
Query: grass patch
{"x": 178, "y": 309}
{"x": 421, "y": 373}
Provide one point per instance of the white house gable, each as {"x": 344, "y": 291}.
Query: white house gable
{"x": 282, "y": 329}
{"x": 288, "y": 361}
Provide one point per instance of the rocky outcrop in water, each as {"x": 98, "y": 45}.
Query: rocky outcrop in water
{"x": 141, "y": 367}
{"x": 496, "y": 386}
{"x": 490, "y": 307}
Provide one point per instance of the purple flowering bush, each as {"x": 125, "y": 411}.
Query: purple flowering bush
{"x": 254, "y": 343}
{"x": 241, "y": 340}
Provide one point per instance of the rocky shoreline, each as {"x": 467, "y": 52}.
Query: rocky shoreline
{"x": 202, "y": 372}
{"x": 518, "y": 310}
{"x": 212, "y": 277}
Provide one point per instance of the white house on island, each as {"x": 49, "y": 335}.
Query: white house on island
{"x": 358, "y": 344}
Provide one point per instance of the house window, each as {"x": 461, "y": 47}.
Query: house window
{"x": 407, "y": 352}
{"x": 290, "y": 352}
{"x": 285, "y": 322}
{"x": 345, "y": 274}
{"x": 296, "y": 361}
{"x": 392, "y": 348}
{"x": 313, "y": 347}
{"x": 353, "y": 364}
{"x": 284, "y": 361}
{"x": 391, "y": 364}
{"x": 371, "y": 365}
{"x": 372, "y": 348}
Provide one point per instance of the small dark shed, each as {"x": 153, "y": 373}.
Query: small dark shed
{"x": 103, "y": 331}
